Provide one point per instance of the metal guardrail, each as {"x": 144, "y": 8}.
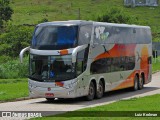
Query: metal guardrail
{"x": 156, "y": 47}
{"x": 156, "y": 56}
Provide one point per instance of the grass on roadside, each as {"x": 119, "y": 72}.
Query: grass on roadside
{"x": 148, "y": 103}
{"x": 155, "y": 64}
{"x": 11, "y": 89}
{"x": 14, "y": 69}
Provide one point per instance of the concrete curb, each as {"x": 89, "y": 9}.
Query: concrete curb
{"x": 19, "y": 99}
{"x": 155, "y": 72}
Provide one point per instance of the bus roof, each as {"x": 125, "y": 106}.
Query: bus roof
{"x": 120, "y": 25}
{"x": 64, "y": 23}
{"x": 78, "y": 22}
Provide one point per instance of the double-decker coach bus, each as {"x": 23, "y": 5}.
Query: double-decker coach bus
{"x": 70, "y": 59}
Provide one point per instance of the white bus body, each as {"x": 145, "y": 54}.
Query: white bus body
{"x": 70, "y": 59}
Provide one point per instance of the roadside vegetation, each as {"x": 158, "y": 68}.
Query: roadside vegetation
{"x": 155, "y": 64}
{"x": 14, "y": 69}
{"x": 11, "y": 89}
{"x": 16, "y": 34}
{"x": 150, "y": 103}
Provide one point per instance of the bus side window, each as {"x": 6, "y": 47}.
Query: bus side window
{"x": 122, "y": 64}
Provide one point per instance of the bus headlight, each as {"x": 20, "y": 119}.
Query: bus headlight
{"x": 68, "y": 86}
{"x": 70, "y": 92}
{"x": 71, "y": 85}
{"x": 31, "y": 86}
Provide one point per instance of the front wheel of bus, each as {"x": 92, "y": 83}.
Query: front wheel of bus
{"x": 50, "y": 99}
{"x": 100, "y": 91}
{"x": 91, "y": 92}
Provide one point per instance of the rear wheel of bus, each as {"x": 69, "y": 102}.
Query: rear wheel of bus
{"x": 91, "y": 92}
{"x": 100, "y": 91}
{"x": 141, "y": 82}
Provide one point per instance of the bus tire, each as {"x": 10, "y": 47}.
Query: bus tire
{"x": 100, "y": 91}
{"x": 50, "y": 99}
{"x": 141, "y": 83}
{"x": 136, "y": 79}
{"x": 91, "y": 92}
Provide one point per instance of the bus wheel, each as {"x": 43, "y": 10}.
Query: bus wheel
{"x": 91, "y": 92}
{"x": 50, "y": 99}
{"x": 135, "y": 83}
{"x": 100, "y": 91}
{"x": 140, "y": 83}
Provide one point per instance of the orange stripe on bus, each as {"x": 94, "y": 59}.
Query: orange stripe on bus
{"x": 63, "y": 52}
{"x": 60, "y": 84}
{"x": 129, "y": 82}
{"x": 118, "y": 50}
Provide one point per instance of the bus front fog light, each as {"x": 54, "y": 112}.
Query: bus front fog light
{"x": 68, "y": 86}
{"x": 31, "y": 92}
{"x": 30, "y": 85}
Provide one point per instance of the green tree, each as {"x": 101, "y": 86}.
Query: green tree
{"x": 117, "y": 15}
{"x": 15, "y": 39}
{"x": 5, "y": 11}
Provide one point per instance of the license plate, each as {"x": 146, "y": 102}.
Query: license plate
{"x": 49, "y": 94}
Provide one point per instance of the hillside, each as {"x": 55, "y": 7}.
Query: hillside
{"x": 32, "y": 11}
{"x": 17, "y": 36}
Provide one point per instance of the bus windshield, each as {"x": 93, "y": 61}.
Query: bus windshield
{"x": 54, "y": 37}
{"x": 51, "y": 68}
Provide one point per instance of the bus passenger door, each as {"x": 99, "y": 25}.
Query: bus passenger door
{"x": 81, "y": 65}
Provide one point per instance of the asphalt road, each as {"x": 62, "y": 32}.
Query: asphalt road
{"x": 41, "y": 104}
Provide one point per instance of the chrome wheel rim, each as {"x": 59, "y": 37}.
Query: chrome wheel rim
{"x": 100, "y": 89}
{"x": 136, "y": 84}
{"x": 91, "y": 90}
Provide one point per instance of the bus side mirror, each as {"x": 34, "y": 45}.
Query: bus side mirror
{"x": 22, "y": 52}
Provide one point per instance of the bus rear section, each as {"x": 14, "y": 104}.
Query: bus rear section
{"x": 121, "y": 56}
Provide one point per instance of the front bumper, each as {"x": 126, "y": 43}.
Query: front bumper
{"x": 49, "y": 90}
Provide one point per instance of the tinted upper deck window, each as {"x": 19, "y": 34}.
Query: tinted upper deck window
{"x": 121, "y": 35}
{"x": 54, "y": 37}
